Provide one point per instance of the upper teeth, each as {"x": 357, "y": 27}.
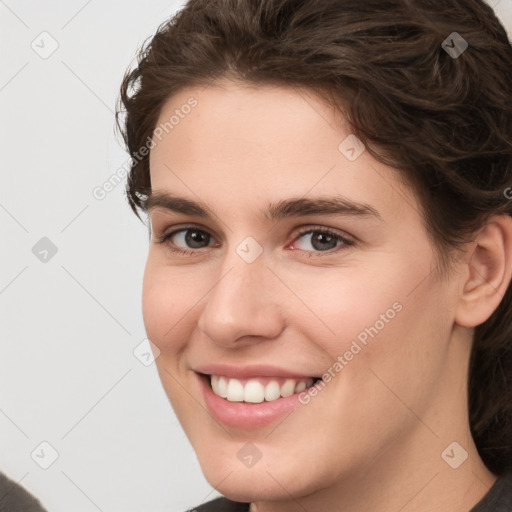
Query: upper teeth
{"x": 255, "y": 391}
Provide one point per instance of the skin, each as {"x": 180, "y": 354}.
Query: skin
{"x": 372, "y": 438}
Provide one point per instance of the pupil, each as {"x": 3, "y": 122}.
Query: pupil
{"x": 196, "y": 238}
{"x": 319, "y": 241}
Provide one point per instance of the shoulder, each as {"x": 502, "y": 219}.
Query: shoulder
{"x": 499, "y": 497}
{"x": 221, "y": 505}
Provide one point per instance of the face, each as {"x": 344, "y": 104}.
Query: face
{"x": 280, "y": 256}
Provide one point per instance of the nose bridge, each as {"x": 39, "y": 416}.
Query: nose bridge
{"x": 240, "y": 302}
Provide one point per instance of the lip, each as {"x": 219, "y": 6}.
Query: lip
{"x": 241, "y": 414}
{"x": 248, "y": 372}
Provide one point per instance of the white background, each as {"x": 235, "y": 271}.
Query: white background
{"x": 68, "y": 375}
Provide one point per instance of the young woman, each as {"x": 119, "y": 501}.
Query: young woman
{"x": 329, "y": 192}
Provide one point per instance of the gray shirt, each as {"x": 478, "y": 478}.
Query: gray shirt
{"x": 14, "y": 498}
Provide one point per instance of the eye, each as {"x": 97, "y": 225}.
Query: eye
{"x": 186, "y": 240}
{"x": 321, "y": 240}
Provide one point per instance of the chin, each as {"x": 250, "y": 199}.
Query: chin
{"x": 270, "y": 480}
{"x": 247, "y": 486}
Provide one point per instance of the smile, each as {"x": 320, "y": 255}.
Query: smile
{"x": 257, "y": 390}
{"x": 251, "y": 397}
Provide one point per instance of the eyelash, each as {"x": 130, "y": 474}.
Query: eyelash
{"x": 346, "y": 242}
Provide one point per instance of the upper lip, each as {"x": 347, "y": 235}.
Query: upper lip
{"x": 247, "y": 372}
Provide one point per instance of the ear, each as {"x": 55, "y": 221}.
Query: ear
{"x": 488, "y": 273}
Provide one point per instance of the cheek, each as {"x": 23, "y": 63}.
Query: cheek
{"x": 402, "y": 360}
{"x": 395, "y": 323}
{"x": 167, "y": 299}
{"x": 167, "y": 302}
{"x": 344, "y": 304}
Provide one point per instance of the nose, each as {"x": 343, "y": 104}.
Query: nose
{"x": 243, "y": 305}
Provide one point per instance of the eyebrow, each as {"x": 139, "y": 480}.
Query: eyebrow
{"x": 293, "y": 207}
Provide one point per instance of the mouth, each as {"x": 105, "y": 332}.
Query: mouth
{"x": 251, "y": 397}
{"x": 258, "y": 389}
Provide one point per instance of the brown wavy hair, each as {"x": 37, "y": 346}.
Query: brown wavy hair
{"x": 445, "y": 123}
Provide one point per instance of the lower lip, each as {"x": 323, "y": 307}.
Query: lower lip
{"x": 243, "y": 414}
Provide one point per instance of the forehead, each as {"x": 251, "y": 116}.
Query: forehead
{"x": 252, "y": 144}
{"x": 234, "y": 119}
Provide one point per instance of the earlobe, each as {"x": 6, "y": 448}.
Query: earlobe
{"x": 489, "y": 272}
